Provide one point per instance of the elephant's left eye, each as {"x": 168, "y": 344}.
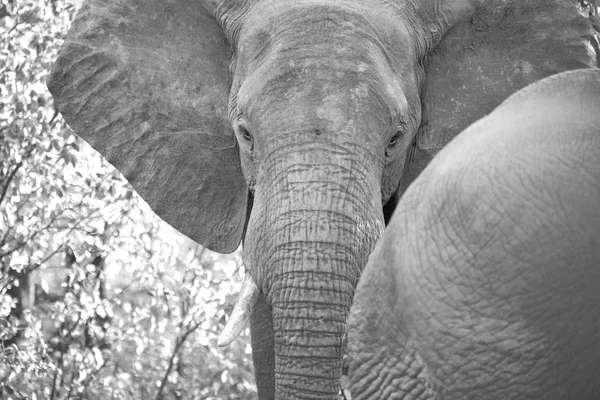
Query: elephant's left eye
{"x": 393, "y": 141}
{"x": 244, "y": 133}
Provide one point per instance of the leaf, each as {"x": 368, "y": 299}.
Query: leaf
{"x": 139, "y": 345}
{"x": 224, "y": 376}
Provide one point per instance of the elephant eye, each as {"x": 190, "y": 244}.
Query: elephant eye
{"x": 395, "y": 139}
{"x": 244, "y": 133}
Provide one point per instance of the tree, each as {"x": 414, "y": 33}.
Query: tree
{"x": 95, "y": 300}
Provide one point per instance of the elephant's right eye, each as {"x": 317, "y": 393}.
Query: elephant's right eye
{"x": 244, "y": 133}
{"x": 393, "y": 142}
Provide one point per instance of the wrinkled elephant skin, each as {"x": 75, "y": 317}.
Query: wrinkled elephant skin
{"x": 291, "y": 124}
{"x": 486, "y": 282}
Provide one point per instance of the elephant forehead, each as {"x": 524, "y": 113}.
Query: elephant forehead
{"x": 311, "y": 41}
{"x": 270, "y": 19}
{"x": 342, "y": 112}
{"x": 328, "y": 93}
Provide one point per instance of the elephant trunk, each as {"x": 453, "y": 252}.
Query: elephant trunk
{"x": 310, "y": 309}
{"x": 309, "y": 237}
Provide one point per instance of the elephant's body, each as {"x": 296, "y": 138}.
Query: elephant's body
{"x": 486, "y": 283}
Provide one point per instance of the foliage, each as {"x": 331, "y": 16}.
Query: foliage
{"x": 99, "y": 298}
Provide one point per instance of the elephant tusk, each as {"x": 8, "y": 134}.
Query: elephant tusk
{"x": 241, "y": 312}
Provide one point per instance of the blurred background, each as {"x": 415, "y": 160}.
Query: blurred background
{"x": 99, "y": 298}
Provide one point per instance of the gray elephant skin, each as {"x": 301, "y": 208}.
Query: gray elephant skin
{"x": 486, "y": 282}
{"x": 291, "y": 124}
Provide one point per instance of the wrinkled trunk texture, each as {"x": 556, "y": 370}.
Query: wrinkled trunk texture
{"x": 312, "y": 228}
{"x": 310, "y": 309}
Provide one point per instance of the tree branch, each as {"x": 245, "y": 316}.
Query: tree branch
{"x": 54, "y": 383}
{"x": 178, "y": 343}
{"x": 62, "y": 354}
{"x": 6, "y": 184}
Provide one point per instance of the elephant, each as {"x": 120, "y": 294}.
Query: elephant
{"x": 485, "y": 282}
{"x": 290, "y": 126}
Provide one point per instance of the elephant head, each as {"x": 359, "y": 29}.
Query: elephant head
{"x": 287, "y": 123}
{"x": 485, "y": 283}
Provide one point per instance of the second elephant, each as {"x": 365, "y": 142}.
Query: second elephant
{"x": 486, "y": 284}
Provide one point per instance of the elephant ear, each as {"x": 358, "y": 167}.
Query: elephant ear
{"x": 499, "y": 49}
{"x": 146, "y": 83}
